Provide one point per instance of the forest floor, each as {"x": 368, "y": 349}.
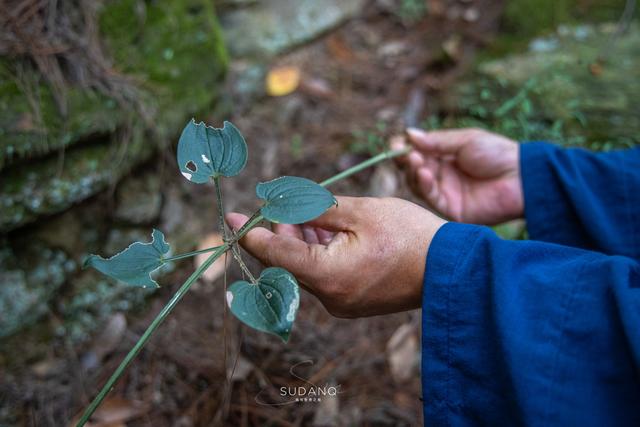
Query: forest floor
{"x": 361, "y": 83}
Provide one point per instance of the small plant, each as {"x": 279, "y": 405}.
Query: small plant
{"x": 268, "y": 303}
{"x": 369, "y": 141}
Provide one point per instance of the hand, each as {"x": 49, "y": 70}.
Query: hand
{"x": 468, "y": 175}
{"x": 363, "y": 257}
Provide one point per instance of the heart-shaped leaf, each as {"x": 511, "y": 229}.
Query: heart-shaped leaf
{"x": 205, "y": 152}
{"x": 293, "y": 200}
{"x": 270, "y": 305}
{"x": 135, "y": 264}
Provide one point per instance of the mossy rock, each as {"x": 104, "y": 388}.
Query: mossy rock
{"x": 28, "y": 282}
{"x": 572, "y": 87}
{"x": 174, "y": 50}
{"x": 30, "y": 191}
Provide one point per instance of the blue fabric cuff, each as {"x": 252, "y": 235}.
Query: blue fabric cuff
{"x": 547, "y": 209}
{"x": 450, "y": 245}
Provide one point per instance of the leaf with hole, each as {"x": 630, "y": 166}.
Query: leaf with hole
{"x": 135, "y": 264}
{"x": 293, "y": 200}
{"x": 270, "y": 305}
{"x": 205, "y": 152}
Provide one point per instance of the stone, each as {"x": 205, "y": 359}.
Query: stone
{"x": 273, "y": 26}
{"x": 93, "y": 300}
{"x": 160, "y": 45}
{"x": 559, "y": 90}
{"x": 139, "y": 199}
{"x": 44, "y": 188}
{"x": 28, "y": 281}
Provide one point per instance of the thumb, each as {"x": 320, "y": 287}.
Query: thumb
{"x": 439, "y": 141}
{"x": 341, "y": 217}
{"x": 272, "y": 249}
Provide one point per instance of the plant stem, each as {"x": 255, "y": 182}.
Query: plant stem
{"x": 223, "y": 229}
{"x": 147, "y": 334}
{"x": 190, "y": 254}
{"x": 218, "y": 251}
{"x": 254, "y": 219}
{"x": 238, "y": 257}
{"x": 221, "y": 225}
{"x": 367, "y": 163}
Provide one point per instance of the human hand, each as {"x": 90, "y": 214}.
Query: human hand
{"x": 467, "y": 175}
{"x": 363, "y": 257}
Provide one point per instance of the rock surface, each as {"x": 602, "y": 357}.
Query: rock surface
{"x": 577, "y": 86}
{"x": 273, "y": 26}
{"x": 50, "y": 162}
{"x": 160, "y": 47}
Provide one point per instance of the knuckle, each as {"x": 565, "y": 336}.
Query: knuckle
{"x": 476, "y": 132}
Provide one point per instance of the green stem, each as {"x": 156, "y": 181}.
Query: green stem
{"x": 190, "y": 254}
{"x": 254, "y": 219}
{"x": 366, "y": 164}
{"x": 238, "y": 257}
{"x": 218, "y": 252}
{"x": 223, "y": 228}
{"x": 147, "y": 334}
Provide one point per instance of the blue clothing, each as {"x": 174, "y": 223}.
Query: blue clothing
{"x": 543, "y": 332}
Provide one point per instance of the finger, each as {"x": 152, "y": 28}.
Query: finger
{"x": 430, "y": 189}
{"x": 235, "y": 220}
{"x": 310, "y": 235}
{"x": 280, "y": 250}
{"x": 415, "y": 160}
{"x": 344, "y": 216}
{"x": 288, "y": 230}
{"x": 397, "y": 143}
{"x": 439, "y": 141}
{"x": 325, "y": 236}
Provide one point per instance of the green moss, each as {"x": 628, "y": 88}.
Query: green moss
{"x": 525, "y": 19}
{"x": 178, "y": 51}
{"x": 562, "y": 93}
{"x": 27, "y": 193}
{"x": 172, "y": 50}
{"x": 30, "y": 124}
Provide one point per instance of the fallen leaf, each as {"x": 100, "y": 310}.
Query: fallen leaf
{"x": 452, "y": 47}
{"x": 216, "y": 269}
{"x": 241, "y": 370}
{"x": 339, "y": 48}
{"x": 282, "y": 81}
{"x": 327, "y": 412}
{"x": 114, "y": 411}
{"x": 403, "y": 353}
{"x": 316, "y": 87}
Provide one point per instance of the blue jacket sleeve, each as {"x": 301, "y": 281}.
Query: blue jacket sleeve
{"x": 578, "y": 198}
{"x": 528, "y": 333}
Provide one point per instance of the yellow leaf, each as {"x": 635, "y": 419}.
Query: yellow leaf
{"x": 282, "y": 80}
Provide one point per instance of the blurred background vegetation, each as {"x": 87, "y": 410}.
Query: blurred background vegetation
{"x": 93, "y": 95}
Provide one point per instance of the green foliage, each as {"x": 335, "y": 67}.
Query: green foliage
{"x": 206, "y": 152}
{"x": 293, "y": 200}
{"x": 135, "y": 264}
{"x": 371, "y": 141}
{"x": 269, "y": 305}
{"x": 411, "y": 11}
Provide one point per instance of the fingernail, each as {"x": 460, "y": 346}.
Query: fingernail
{"x": 415, "y": 132}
